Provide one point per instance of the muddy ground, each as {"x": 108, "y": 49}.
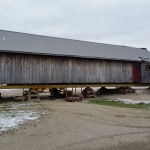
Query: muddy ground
{"x": 83, "y": 126}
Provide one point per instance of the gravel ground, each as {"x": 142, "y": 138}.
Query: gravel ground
{"x": 83, "y": 126}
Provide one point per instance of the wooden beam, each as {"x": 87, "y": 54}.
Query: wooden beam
{"x": 66, "y": 93}
{"x": 71, "y": 85}
{"x": 72, "y": 93}
{"x": 75, "y": 90}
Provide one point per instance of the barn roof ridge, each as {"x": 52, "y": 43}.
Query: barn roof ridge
{"x": 43, "y": 44}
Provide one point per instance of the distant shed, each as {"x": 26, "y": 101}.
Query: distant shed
{"x": 35, "y": 59}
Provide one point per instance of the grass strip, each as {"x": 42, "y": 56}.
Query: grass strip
{"x": 117, "y": 103}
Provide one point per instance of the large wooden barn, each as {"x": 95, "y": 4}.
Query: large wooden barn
{"x": 34, "y": 59}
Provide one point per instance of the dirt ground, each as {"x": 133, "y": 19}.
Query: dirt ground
{"x": 83, "y": 126}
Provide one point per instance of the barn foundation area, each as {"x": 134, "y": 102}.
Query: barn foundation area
{"x": 70, "y": 93}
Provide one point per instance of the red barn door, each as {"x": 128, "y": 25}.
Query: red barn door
{"x": 136, "y": 73}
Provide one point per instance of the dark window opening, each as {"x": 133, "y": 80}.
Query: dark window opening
{"x": 147, "y": 67}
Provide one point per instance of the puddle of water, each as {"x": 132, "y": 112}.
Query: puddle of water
{"x": 13, "y": 115}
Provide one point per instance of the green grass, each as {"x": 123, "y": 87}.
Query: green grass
{"x": 115, "y": 103}
{"x": 6, "y": 99}
{"x": 46, "y": 97}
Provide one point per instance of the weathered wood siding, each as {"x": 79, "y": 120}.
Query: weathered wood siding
{"x": 35, "y": 69}
{"x": 145, "y": 74}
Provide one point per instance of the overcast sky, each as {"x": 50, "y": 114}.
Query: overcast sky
{"x": 119, "y": 22}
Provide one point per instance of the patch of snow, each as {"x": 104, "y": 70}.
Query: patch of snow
{"x": 11, "y": 118}
{"x": 130, "y": 101}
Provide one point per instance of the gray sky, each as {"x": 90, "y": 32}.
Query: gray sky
{"x": 120, "y": 22}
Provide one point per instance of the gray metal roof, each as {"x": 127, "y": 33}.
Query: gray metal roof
{"x": 37, "y": 44}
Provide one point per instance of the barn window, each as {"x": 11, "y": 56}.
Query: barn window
{"x": 147, "y": 67}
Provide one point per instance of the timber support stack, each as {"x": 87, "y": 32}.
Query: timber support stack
{"x": 31, "y": 95}
{"x": 88, "y": 93}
